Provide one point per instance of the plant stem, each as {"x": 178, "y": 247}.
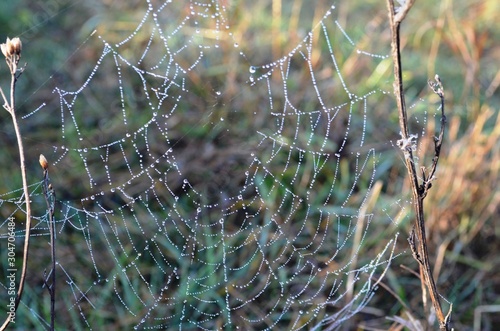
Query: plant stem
{"x": 419, "y": 192}
{"x": 48, "y": 193}
{"x": 11, "y": 107}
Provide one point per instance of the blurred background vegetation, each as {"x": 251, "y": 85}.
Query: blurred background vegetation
{"x": 456, "y": 39}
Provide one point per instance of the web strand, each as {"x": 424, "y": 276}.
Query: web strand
{"x": 171, "y": 251}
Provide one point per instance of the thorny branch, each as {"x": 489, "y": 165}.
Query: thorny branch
{"x": 417, "y": 239}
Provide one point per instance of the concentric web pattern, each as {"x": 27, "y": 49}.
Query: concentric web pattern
{"x": 279, "y": 249}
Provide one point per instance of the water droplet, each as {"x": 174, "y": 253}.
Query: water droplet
{"x": 252, "y": 69}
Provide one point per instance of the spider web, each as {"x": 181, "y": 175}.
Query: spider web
{"x": 267, "y": 235}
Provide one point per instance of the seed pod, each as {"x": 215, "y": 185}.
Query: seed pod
{"x": 43, "y": 162}
{"x": 17, "y": 45}
{"x": 10, "y": 47}
{"x": 4, "y": 50}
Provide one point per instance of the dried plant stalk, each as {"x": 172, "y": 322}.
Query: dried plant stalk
{"x": 12, "y": 52}
{"x": 407, "y": 143}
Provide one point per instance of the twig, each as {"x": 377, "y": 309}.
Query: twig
{"x": 50, "y": 198}
{"x": 12, "y": 52}
{"x": 408, "y": 145}
{"x": 437, "y": 87}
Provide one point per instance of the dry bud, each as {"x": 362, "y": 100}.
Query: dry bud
{"x": 17, "y": 45}
{"x": 12, "y": 48}
{"x": 4, "y": 49}
{"x": 43, "y": 162}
